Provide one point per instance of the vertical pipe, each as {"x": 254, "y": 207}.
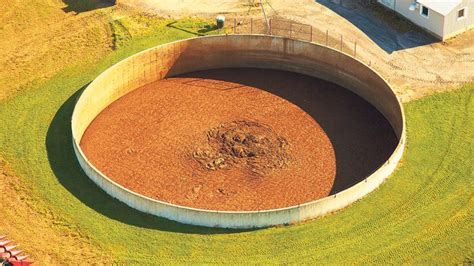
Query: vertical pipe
{"x": 270, "y": 23}
{"x": 264, "y": 15}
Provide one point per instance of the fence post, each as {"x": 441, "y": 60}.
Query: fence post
{"x": 235, "y": 24}
{"x": 270, "y": 24}
{"x": 355, "y": 49}
{"x": 327, "y": 36}
{"x": 251, "y": 25}
{"x": 341, "y": 42}
{"x": 291, "y": 28}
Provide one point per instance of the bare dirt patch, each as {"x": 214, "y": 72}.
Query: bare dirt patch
{"x": 244, "y": 144}
{"x": 184, "y": 8}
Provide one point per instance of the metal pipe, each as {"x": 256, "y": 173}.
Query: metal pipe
{"x": 265, "y": 16}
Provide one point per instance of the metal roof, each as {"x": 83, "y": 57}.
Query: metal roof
{"x": 443, "y": 7}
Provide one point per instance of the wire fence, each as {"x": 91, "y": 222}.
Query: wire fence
{"x": 292, "y": 30}
{"x": 322, "y": 36}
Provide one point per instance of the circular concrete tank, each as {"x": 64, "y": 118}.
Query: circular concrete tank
{"x": 238, "y": 51}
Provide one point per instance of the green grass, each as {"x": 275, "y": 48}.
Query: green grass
{"x": 120, "y": 34}
{"x": 422, "y": 214}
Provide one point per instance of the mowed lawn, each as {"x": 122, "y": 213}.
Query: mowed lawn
{"x": 422, "y": 214}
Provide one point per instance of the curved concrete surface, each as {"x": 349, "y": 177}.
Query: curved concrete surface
{"x": 257, "y": 51}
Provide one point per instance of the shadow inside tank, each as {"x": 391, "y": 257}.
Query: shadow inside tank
{"x": 361, "y": 136}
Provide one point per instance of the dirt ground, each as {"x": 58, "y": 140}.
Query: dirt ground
{"x": 173, "y": 8}
{"x": 415, "y": 63}
{"x": 177, "y": 140}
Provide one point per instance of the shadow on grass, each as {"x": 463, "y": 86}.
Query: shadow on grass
{"x": 208, "y": 28}
{"x": 201, "y": 32}
{"x": 172, "y": 25}
{"x": 80, "y": 6}
{"x": 69, "y": 173}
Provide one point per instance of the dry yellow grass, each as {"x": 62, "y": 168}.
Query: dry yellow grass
{"x": 39, "y": 39}
{"x": 46, "y": 235}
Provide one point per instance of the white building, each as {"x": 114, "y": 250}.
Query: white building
{"x": 442, "y": 18}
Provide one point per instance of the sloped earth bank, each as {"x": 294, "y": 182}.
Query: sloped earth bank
{"x": 24, "y": 215}
{"x": 229, "y": 140}
{"x": 43, "y": 37}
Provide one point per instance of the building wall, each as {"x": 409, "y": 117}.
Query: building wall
{"x": 443, "y": 27}
{"x": 453, "y": 26}
{"x": 256, "y": 51}
{"x": 434, "y": 23}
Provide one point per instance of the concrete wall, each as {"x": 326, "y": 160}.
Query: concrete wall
{"x": 434, "y": 23}
{"x": 237, "y": 51}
